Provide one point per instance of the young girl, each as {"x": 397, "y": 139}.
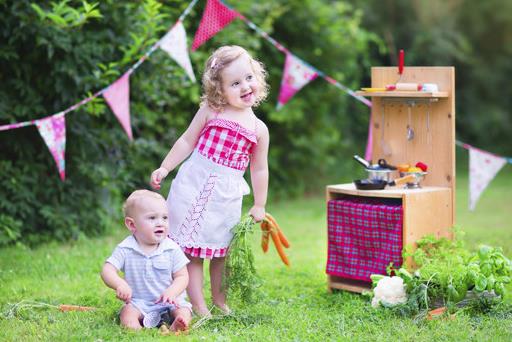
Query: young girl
{"x": 205, "y": 198}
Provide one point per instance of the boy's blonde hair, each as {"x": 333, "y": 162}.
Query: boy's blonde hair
{"x": 131, "y": 202}
{"x": 221, "y": 58}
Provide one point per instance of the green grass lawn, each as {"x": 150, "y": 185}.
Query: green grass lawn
{"x": 294, "y": 305}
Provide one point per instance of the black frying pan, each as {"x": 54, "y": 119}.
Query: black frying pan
{"x": 367, "y": 184}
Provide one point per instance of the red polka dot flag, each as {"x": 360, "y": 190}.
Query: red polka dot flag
{"x": 216, "y": 16}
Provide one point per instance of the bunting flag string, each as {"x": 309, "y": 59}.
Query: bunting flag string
{"x": 52, "y": 128}
{"x": 17, "y": 125}
{"x": 283, "y": 49}
{"x": 296, "y": 74}
{"x": 280, "y": 47}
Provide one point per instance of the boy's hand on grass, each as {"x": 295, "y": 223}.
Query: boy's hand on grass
{"x": 124, "y": 293}
{"x": 157, "y": 177}
{"x": 257, "y": 213}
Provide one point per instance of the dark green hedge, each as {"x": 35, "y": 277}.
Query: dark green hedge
{"x": 47, "y": 66}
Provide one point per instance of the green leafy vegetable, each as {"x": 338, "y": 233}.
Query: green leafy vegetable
{"x": 449, "y": 275}
{"x": 240, "y": 276}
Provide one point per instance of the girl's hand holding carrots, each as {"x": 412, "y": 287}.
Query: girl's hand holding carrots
{"x": 257, "y": 212}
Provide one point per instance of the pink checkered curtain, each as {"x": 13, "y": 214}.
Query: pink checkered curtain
{"x": 117, "y": 96}
{"x": 53, "y": 132}
{"x": 296, "y": 75}
{"x": 216, "y": 16}
{"x": 175, "y": 44}
{"x": 483, "y": 167}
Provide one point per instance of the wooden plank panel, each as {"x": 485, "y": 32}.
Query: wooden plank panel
{"x": 334, "y": 282}
{"x": 426, "y": 213}
{"x": 433, "y": 124}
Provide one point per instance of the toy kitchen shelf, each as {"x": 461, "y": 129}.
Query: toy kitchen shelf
{"x": 431, "y": 208}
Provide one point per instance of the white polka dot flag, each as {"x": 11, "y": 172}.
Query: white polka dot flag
{"x": 295, "y": 76}
{"x": 175, "y": 44}
{"x": 53, "y": 131}
{"x": 117, "y": 96}
{"x": 216, "y": 16}
{"x": 483, "y": 167}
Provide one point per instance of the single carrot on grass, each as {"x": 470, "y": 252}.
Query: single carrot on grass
{"x": 66, "y": 307}
{"x": 279, "y": 247}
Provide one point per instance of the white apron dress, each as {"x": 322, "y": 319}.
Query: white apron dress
{"x": 205, "y": 199}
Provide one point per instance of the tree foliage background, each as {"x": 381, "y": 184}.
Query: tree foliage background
{"x": 54, "y": 54}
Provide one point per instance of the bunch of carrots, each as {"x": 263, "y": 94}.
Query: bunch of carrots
{"x": 270, "y": 228}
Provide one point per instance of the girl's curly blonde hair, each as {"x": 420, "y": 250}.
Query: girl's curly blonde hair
{"x": 212, "y": 82}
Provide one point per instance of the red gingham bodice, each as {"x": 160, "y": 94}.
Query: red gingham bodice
{"x": 227, "y": 143}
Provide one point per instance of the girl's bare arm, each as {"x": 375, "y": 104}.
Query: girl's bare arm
{"x": 259, "y": 173}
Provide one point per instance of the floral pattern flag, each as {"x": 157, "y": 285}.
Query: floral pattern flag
{"x": 296, "y": 75}
{"x": 117, "y": 96}
{"x": 483, "y": 167}
{"x": 175, "y": 44}
{"x": 216, "y": 16}
{"x": 53, "y": 131}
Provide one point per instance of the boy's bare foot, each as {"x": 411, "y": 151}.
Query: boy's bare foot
{"x": 179, "y": 324}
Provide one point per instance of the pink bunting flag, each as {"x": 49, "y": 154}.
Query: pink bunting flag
{"x": 117, "y": 96}
{"x": 175, "y": 44}
{"x": 483, "y": 167}
{"x": 296, "y": 75}
{"x": 216, "y": 16}
{"x": 53, "y": 131}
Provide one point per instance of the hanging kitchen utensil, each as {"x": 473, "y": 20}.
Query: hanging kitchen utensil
{"x": 410, "y": 131}
{"x": 367, "y": 184}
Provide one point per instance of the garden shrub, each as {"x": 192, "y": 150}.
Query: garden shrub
{"x": 49, "y": 64}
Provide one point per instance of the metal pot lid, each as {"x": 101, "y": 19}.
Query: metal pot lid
{"x": 378, "y": 168}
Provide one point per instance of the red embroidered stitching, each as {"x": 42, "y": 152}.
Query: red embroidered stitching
{"x": 189, "y": 228}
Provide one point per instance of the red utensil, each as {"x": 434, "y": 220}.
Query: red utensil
{"x": 400, "y": 64}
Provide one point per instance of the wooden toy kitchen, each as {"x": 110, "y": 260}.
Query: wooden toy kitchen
{"x": 367, "y": 229}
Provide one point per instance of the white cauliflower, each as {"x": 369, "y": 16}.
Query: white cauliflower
{"x": 389, "y": 290}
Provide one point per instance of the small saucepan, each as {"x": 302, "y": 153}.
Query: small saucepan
{"x": 368, "y": 184}
{"x": 376, "y": 172}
